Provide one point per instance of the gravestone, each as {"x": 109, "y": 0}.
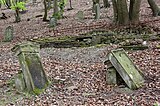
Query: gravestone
{"x": 33, "y": 72}
{"x": 52, "y": 22}
{"x": 80, "y": 15}
{"x": 112, "y": 76}
{"x": 19, "y": 82}
{"x": 126, "y": 69}
{"x": 8, "y": 35}
{"x": 97, "y": 11}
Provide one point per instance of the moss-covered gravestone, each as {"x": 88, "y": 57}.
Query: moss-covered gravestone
{"x": 33, "y": 72}
{"x": 8, "y": 34}
{"x": 125, "y": 68}
{"x": 52, "y": 22}
{"x": 80, "y": 15}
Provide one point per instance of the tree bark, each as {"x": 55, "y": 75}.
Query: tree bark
{"x": 154, "y": 7}
{"x": 55, "y": 9}
{"x": 123, "y": 16}
{"x": 114, "y": 3}
{"x": 134, "y": 10}
{"x": 45, "y": 10}
{"x": 106, "y": 3}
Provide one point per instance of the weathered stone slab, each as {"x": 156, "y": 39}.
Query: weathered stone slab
{"x": 8, "y": 35}
{"x": 33, "y": 72}
{"x": 52, "y": 22}
{"x": 126, "y": 69}
{"x": 19, "y": 82}
{"x": 80, "y": 15}
{"x": 112, "y": 76}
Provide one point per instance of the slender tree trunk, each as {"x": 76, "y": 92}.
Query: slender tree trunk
{"x": 55, "y": 9}
{"x": 106, "y": 3}
{"x": 45, "y": 10}
{"x": 70, "y": 3}
{"x": 154, "y": 7}
{"x": 17, "y": 16}
{"x": 134, "y": 10}
{"x": 94, "y": 4}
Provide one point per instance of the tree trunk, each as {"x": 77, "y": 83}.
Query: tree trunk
{"x": 17, "y": 16}
{"x": 134, "y": 10}
{"x": 94, "y": 4}
{"x": 45, "y": 10}
{"x": 123, "y": 16}
{"x": 106, "y": 3}
{"x": 114, "y": 3}
{"x": 70, "y": 4}
{"x": 154, "y": 7}
{"x": 55, "y": 9}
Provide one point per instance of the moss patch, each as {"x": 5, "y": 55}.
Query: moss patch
{"x": 92, "y": 39}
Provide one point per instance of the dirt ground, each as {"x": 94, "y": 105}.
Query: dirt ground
{"x": 81, "y": 69}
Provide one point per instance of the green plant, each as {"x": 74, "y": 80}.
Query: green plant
{"x": 61, "y": 5}
{"x": 156, "y": 104}
{"x": 17, "y": 7}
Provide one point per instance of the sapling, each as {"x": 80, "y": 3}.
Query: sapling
{"x": 17, "y": 7}
{"x": 58, "y": 13}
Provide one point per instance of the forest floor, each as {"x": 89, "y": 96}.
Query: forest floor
{"x": 82, "y": 70}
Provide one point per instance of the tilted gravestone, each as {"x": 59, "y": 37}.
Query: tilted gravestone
{"x": 125, "y": 68}
{"x": 97, "y": 11}
{"x": 33, "y": 72}
{"x": 8, "y": 35}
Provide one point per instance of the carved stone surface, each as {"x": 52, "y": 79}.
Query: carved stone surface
{"x": 126, "y": 69}
{"x": 31, "y": 65}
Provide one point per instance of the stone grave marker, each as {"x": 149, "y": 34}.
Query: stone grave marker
{"x": 33, "y": 72}
{"x": 123, "y": 65}
{"x": 52, "y": 22}
{"x": 97, "y": 11}
{"x": 8, "y": 34}
{"x": 80, "y": 15}
{"x": 112, "y": 76}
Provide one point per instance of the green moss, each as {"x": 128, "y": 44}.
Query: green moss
{"x": 96, "y": 37}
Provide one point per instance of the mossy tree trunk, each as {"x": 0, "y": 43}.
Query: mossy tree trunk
{"x": 55, "y": 9}
{"x": 121, "y": 14}
{"x": 134, "y": 10}
{"x": 114, "y": 3}
{"x": 45, "y": 10}
{"x": 154, "y": 7}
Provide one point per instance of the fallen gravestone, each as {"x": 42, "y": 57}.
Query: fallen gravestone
{"x": 119, "y": 62}
{"x": 8, "y": 34}
{"x": 32, "y": 70}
